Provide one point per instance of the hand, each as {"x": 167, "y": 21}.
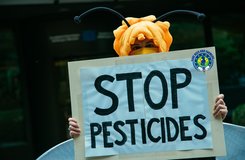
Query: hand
{"x": 220, "y": 109}
{"x": 74, "y": 128}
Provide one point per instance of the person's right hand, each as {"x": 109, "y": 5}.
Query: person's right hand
{"x": 74, "y": 127}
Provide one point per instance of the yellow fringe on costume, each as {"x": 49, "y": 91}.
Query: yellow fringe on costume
{"x": 142, "y": 28}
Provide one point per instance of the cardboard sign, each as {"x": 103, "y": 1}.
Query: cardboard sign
{"x": 138, "y": 107}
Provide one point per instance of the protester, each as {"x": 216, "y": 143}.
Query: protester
{"x": 145, "y": 37}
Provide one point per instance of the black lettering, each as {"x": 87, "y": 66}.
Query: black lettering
{"x": 163, "y": 130}
{"x": 143, "y": 131}
{"x": 106, "y": 134}
{"x": 124, "y": 137}
{"x": 175, "y": 85}
{"x": 94, "y": 133}
{"x": 147, "y": 90}
{"x": 202, "y": 136}
{"x": 184, "y": 128}
{"x": 129, "y": 77}
{"x": 132, "y": 122}
{"x": 153, "y": 139}
{"x": 100, "y": 89}
{"x": 175, "y": 124}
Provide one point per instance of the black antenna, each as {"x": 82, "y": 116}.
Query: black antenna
{"x": 78, "y": 19}
{"x": 200, "y": 16}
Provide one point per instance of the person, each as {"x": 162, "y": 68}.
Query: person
{"x": 146, "y": 37}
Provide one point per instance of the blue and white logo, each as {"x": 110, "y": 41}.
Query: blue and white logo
{"x": 203, "y": 60}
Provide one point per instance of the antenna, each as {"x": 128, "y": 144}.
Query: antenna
{"x": 78, "y": 19}
{"x": 200, "y": 16}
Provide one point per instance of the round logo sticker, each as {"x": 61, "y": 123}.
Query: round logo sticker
{"x": 202, "y": 60}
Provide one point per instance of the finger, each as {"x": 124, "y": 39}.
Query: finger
{"x": 72, "y": 120}
{"x": 216, "y": 114}
{"x": 74, "y": 134}
{"x": 218, "y": 108}
{"x": 73, "y": 124}
{"x": 220, "y": 96}
{"x": 219, "y": 102}
{"x": 221, "y": 112}
{"x": 76, "y": 129}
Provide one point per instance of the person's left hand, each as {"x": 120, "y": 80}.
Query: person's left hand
{"x": 74, "y": 127}
{"x": 220, "y": 108}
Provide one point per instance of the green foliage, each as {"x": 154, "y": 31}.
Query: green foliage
{"x": 238, "y": 115}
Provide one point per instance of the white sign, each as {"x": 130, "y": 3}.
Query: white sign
{"x": 141, "y": 105}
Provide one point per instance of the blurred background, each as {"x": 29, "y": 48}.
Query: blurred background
{"x": 39, "y": 37}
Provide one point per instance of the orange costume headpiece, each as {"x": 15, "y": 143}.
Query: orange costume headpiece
{"x": 140, "y": 29}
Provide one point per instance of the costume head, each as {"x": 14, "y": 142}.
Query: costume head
{"x": 141, "y": 29}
